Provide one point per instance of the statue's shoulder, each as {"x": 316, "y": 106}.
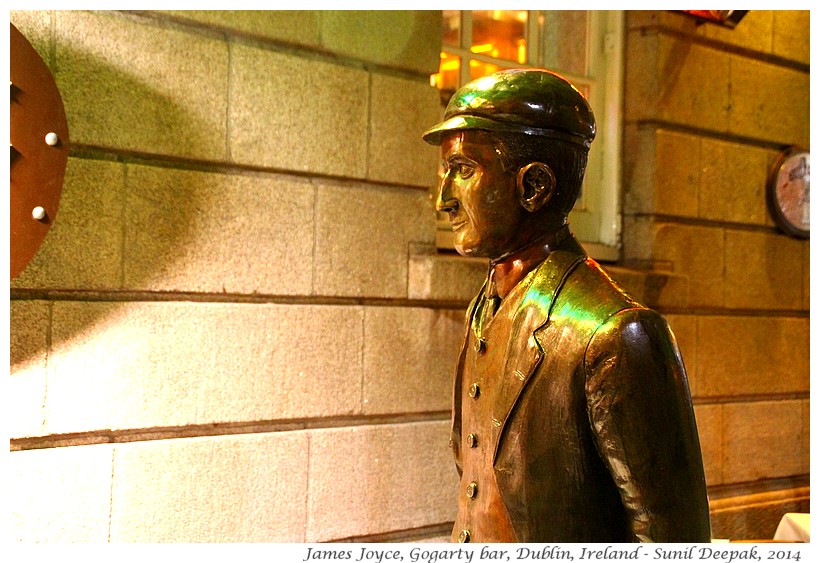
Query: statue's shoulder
{"x": 581, "y": 288}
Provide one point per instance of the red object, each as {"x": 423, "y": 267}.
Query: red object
{"x": 38, "y": 158}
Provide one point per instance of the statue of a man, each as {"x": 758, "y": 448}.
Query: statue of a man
{"x": 572, "y": 418}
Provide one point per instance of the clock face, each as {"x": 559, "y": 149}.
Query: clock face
{"x": 789, "y": 193}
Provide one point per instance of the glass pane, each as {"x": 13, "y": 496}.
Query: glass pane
{"x": 447, "y": 76}
{"x": 479, "y": 69}
{"x": 451, "y": 27}
{"x": 564, "y": 40}
{"x": 500, "y": 34}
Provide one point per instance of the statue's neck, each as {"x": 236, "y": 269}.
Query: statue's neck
{"x": 506, "y": 271}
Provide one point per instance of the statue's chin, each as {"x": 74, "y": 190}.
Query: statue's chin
{"x": 470, "y": 251}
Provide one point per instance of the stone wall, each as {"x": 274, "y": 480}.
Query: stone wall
{"x": 238, "y": 328}
{"x": 217, "y": 341}
{"x": 707, "y": 111}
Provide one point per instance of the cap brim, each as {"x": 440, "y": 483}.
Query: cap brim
{"x": 468, "y": 122}
{"x": 461, "y": 123}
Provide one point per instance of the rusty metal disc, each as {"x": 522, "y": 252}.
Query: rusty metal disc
{"x": 39, "y": 150}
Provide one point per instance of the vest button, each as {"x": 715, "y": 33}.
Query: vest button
{"x": 472, "y": 440}
{"x": 464, "y": 536}
{"x": 472, "y": 490}
{"x": 474, "y": 391}
{"x": 480, "y": 346}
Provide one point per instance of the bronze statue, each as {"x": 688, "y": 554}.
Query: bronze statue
{"x": 572, "y": 418}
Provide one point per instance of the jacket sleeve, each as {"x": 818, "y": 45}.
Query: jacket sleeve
{"x": 641, "y": 415}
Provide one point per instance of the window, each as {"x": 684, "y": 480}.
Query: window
{"x": 583, "y": 46}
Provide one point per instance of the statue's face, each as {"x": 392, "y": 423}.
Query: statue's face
{"x": 479, "y": 196}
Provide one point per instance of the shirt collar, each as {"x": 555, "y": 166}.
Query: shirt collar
{"x": 507, "y": 271}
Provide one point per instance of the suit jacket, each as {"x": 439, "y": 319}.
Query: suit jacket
{"x": 597, "y": 441}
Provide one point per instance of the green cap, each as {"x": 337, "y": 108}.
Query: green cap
{"x": 531, "y": 101}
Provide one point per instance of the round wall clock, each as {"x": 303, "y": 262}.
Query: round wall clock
{"x": 788, "y": 192}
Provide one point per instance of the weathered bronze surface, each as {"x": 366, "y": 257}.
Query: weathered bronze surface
{"x": 572, "y": 418}
{"x": 39, "y": 150}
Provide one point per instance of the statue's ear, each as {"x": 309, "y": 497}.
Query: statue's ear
{"x": 536, "y": 185}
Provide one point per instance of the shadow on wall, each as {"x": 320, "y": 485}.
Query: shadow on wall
{"x": 119, "y": 225}
{"x": 391, "y": 37}
{"x": 674, "y": 65}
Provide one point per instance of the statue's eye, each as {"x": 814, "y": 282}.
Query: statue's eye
{"x": 465, "y": 170}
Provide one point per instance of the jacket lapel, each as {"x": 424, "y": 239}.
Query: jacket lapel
{"x": 524, "y": 353}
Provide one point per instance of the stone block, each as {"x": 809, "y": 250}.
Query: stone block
{"x": 649, "y": 21}
{"x": 35, "y": 25}
{"x": 670, "y": 79}
{"x": 754, "y": 32}
{"x": 396, "y": 152}
{"x": 639, "y": 149}
{"x": 769, "y": 102}
{"x": 290, "y": 26}
{"x": 28, "y": 335}
{"x": 663, "y": 289}
{"x": 137, "y": 86}
{"x": 805, "y": 449}
{"x": 693, "y": 84}
{"x": 406, "y": 39}
{"x": 409, "y": 358}
{"x": 763, "y": 271}
{"x": 146, "y": 365}
{"x": 26, "y": 386}
{"x": 791, "y": 34}
{"x": 661, "y": 171}
{"x": 656, "y": 289}
{"x": 194, "y": 231}
{"x": 806, "y": 276}
{"x": 83, "y": 248}
{"x": 710, "y": 431}
{"x": 684, "y": 327}
{"x": 400, "y": 476}
{"x": 638, "y": 238}
{"x": 294, "y": 113}
{"x": 640, "y": 79}
{"x": 677, "y": 174}
{"x": 733, "y": 182}
{"x": 443, "y": 277}
{"x": 696, "y": 252}
{"x": 767, "y": 355}
{"x": 243, "y": 488}
{"x": 362, "y": 238}
{"x": 436, "y": 539}
{"x": 779, "y": 32}
{"x": 755, "y": 516}
{"x": 59, "y": 495}
{"x": 752, "y": 431}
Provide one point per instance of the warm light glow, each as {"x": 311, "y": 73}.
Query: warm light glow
{"x": 507, "y": 15}
{"x": 499, "y": 34}
{"x": 485, "y": 48}
{"x": 447, "y": 75}
{"x": 480, "y": 69}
